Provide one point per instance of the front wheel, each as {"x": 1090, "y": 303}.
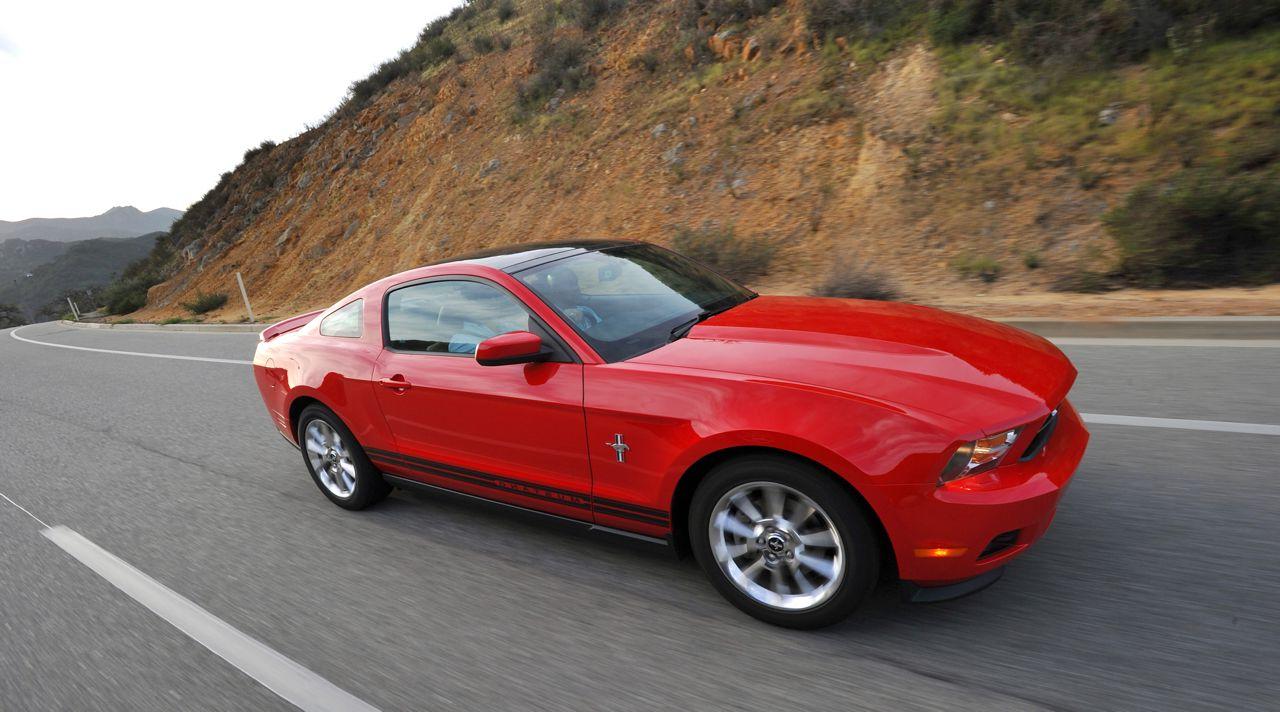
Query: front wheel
{"x": 337, "y": 463}
{"x": 783, "y": 541}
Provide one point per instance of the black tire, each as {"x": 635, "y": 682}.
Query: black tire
{"x": 847, "y": 520}
{"x": 369, "y": 486}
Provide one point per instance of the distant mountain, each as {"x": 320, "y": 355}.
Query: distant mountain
{"x": 126, "y": 221}
{"x": 83, "y": 267}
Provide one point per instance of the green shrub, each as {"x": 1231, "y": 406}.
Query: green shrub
{"x": 648, "y": 61}
{"x": 434, "y": 29}
{"x": 506, "y": 10}
{"x": 723, "y": 12}
{"x": 588, "y": 14}
{"x": 431, "y": 51}
{"x": 1203, "y": 227}
{"x": 482, "y": 44}
{"x": 956, "y": 21}
{"x": 742, "y": 259}
{"x": 1031, "y": 260}
{"x": 859, "y": 18}
{"x": 205, "y": 303}
{"x": 11, "y": 316}
{"x": 1085, "y": 281}
{"x": 464, "y": 13}
{"x": 258, "y": 150}
{"x": 126, "y": 296}
{"x": 978, "y": 267}
{"x": 849, "y": 280}
{"x": 128, "y": 293}
{"x": 561, "y": 64}
{"x": 1090, "y": 30}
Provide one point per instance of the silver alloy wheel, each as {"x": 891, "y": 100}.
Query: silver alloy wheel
{"x": 777, "y": 546}
{"x": 330, "y": 459}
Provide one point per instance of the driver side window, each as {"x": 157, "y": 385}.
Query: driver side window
{"x": 450, "y": 316}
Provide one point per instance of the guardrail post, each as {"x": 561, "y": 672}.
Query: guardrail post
{"x": 245, "y": 296}
{"x": 74, "y": 312}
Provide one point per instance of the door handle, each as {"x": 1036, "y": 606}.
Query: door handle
{"x": 396, "y": 384}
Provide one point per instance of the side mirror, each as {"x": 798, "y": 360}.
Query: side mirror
{"x": 509, "y": 348}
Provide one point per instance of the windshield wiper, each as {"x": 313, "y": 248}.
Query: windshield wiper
{"x": 683, "y": 327}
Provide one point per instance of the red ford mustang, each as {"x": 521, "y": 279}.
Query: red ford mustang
{"x": 799, "y": 447}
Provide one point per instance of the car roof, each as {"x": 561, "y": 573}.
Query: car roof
{"x": 518, "y": 257}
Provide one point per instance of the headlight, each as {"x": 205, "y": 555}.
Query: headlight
{"x": 978, "y": 456}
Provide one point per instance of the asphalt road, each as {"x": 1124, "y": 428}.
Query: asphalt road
{"x": 1157, "y": 587}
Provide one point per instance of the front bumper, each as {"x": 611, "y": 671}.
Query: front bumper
{"x": 966, "y": 529}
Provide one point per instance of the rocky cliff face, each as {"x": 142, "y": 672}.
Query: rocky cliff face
{"x": 822, "y": 148}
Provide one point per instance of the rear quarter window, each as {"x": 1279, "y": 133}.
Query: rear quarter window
{"x": 347, "y": 322}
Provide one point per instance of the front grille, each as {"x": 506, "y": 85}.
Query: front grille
{"x": 1041, "y": 439}
{"x": 1000, "y": 543}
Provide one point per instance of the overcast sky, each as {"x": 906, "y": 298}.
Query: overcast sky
{"x": 146, "y": 104}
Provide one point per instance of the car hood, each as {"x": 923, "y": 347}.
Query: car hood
{"x": 970, "y": 374}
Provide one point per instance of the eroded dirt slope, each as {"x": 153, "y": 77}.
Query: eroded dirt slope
{"x": 801, "y": 144}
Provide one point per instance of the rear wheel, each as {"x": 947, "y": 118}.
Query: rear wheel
{"x": 337, "y": 463}
{"x": 782, "y": 541}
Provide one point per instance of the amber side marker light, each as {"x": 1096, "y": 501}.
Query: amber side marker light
{"x": 940, "y": 553}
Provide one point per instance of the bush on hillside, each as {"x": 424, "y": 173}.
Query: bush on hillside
{"x": 10, "y": 316}
{"x": 434, "y": 29}
{"x": 718, "y": 247}
{"x": 722, "y": 12}
{"x": 858, "y": 18}
{"x": 429, "y": 52}
{"x": 1084, "y": 281}
{"x": 482, "y": 44}
{"x": 1097, "y": 30}
{"x": 128, "y": 293}
{"x": 1204, "y": 227}
{"x": 848, "y": 280}
{"x": 258, "y": 150}
{"x": 648, "y": 61}
{"x": 561, "y": 64}
{"x": 980, "y": 267}
{"x": 205, "y": 303}
{"x": 589, "y": 14}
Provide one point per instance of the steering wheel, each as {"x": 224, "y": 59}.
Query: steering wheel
{"x": 583, "y": 317}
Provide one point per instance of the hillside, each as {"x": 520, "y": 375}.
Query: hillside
{"x": 931, "y": 149}
{"x": 84, "y": 268}
{"x": 121, "y": 221}
{"x": 19, "y": 257}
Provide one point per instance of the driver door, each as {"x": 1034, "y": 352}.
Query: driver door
{"x": 512, "y": 433}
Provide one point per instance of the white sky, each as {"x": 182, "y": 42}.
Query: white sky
{"x": 147, "y": 103}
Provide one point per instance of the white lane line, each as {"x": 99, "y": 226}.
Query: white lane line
{"x": 291, "y": 681}
{"x": 25, "y": 511}
{"x": 1217, "y": 426}
{"x": 208, "y": 359}
{"x": 1203, "y": 343}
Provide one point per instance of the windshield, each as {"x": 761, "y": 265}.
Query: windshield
{"x": 630, "y": 299}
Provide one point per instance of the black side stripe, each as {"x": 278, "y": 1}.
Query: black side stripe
{"x": 452, "y": 470}
{"x": 613, "y": 508}
{"x": 631, "y": 515}
{"x": 495, "y": 483}
{"x": 627, "y": 506}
